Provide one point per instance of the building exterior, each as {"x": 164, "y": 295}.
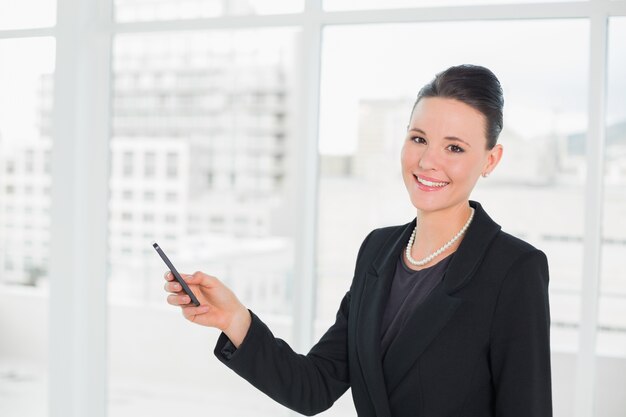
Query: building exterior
{"x": 200, "y": 156}
{"x": 25, "y": 189}
{"x": 201, "y": 150}
{"x": 24, "y": 211}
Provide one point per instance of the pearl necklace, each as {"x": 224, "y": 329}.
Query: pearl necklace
{"x": 441, "y": 249}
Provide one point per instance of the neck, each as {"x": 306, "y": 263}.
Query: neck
{"x": 437, "y": 227}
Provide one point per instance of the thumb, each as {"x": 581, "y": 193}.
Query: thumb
{"x": 200, "y": 278}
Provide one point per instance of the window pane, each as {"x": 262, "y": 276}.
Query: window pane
{"x": 611, "y": 345}
{"x": 142, "y": 10}
{"x": 26, "y": 77}
{"x": 26, "y": 14}
{"x": 201, "y": 164}
{"x": 398, "y": 4}
{"x": 536, "y": 192}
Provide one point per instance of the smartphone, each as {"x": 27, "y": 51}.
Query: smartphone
{"x": 177, "y": 276}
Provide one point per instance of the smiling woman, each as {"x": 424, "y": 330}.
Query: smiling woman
{"x": 363, "y": 128}
{"x": 448, "y": 335}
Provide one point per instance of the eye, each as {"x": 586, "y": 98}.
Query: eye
{"x": 455, "y": 149}
{"x": 418, "y": 139}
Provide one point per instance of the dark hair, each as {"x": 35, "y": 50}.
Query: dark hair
{"x": 475, "y": 86}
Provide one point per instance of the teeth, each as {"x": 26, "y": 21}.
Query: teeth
{"x": 431, "y": 184}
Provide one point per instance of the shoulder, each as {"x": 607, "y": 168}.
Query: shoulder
{"x": 387, "y": 232}
{"x": 503, "y": 247}
{"x": 507, "y": 244}
{"x": 380, "y": 243}
{"x": 502, "y": 253}
{"x": 516, "y": 259}
{"x": 377, "y": 238}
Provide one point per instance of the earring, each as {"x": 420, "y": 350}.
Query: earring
{"x": 485, "y": 174}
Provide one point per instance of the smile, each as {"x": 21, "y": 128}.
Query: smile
{"x": 432, "y": 184}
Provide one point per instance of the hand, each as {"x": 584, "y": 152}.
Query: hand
{"x": 219, "y": 307}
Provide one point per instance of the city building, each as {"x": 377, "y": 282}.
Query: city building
{"x": 201, "y": 151}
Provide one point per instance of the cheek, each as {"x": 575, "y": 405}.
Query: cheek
{"x": 403, "y": 156}
{"x": 407, "y": 157}
{"x": 466, "y": 171}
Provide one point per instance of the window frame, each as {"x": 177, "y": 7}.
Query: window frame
{"x": 83, "y": 34}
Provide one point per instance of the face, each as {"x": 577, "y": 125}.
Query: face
{"x": 444, "y": 153}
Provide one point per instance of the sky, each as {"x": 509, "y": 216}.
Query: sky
{"x": 22, "y": 61}
{"x": 27, "y": 13}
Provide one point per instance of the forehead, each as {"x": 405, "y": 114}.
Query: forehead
{"x": 438, "y": 116}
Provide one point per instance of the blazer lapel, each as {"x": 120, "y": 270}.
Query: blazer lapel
{"x": 427, "y": 321}
{"x": 471, "y": 251}
{"x": 371, "y": 308}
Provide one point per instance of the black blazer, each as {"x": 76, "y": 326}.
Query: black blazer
{"x": 478, "y": 346}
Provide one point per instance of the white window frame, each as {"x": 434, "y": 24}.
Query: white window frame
{"x": 80, "y": 173}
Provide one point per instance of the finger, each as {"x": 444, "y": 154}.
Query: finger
{"x": 190, "y": 312}
{"x": 173, "y": 287}
{"x": 170, "y": 277}
{"x": 178, "y": 300}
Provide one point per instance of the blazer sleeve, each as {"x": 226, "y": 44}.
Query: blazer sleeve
{"x": 308, "y": 384}
{"x": 520, "y": 340}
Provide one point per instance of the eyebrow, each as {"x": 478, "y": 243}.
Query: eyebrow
{"x": 452, "y": 138}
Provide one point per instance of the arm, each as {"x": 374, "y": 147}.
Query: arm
{"x": 520, "y": 341}
{"x": 307, "y": 384}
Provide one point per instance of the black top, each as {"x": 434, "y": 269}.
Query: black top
{"x": 408, "y": 290}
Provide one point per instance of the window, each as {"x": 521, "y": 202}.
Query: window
{"x": 47, "y": 162}
{"x": 127, "y": 164}
{"x": 149, "y": 167}
{"x": 367, "y": 92}
{"x": 29, "y": 161}
{"x": 611, "y": 339}
{"x": 175, "y": 93}
{"x": 24, "y": 280}
{"x": 127, "y": 195}
{"x": 10, "y": 167}
{"x": 545, "y": 114}
{"x": 233, "y": 89}
{"x": 172, "y": 165}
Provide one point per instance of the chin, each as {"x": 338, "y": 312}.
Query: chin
{"x": 428, "y": 205}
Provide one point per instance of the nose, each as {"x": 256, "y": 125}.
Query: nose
{"x": 427, "y": 159}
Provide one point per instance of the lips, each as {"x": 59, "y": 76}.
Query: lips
{"x": 429, "y": 184}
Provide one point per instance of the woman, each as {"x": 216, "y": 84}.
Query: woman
{"x": 446, "y": 315}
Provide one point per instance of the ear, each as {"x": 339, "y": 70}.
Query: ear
{"x": 493, "y": 159}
